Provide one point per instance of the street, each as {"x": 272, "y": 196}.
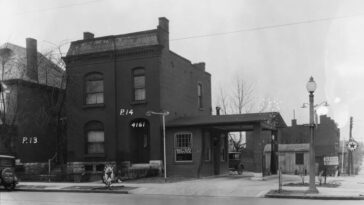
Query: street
{"x": 29, "y": 198}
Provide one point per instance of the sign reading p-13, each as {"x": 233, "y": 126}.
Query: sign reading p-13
{"x": 29, "y": 140}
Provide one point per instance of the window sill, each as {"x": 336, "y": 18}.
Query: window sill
{"x": 101, "y": 155}
{"x": 138, "y": 102}
{"x": 183, "y": 162}
{"x": 100, "y": 105}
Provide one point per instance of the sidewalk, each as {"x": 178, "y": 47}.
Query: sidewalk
{"x": 72, "y": 187}
{"x": 351, "y": 188}
{"x": 229, "y": 185}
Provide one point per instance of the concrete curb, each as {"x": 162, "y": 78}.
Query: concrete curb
{"x": 75, "y": 191}
{"x": 310, "y": 196}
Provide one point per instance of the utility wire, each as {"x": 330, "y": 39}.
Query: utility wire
{"x": 267, "y": 27}
{"x": 58, "y": 7}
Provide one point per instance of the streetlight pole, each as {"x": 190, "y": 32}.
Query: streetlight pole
{"x": 163, "y": 114}
{"x": 311, "y": 87}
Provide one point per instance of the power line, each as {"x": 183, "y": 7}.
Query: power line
{"x": 267, "y": 27}
{"x": 58, "y": 7}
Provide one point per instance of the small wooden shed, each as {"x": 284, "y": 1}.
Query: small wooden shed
{"x": 292, "y": 158}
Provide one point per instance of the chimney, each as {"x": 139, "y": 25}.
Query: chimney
{"x": 200, "y": 66}
{"x": 88, "y": 35}
{"x": 294, "y": 123}
{"x": 163, "y": 32}
{"x": 32, "y": 59}
{"x": 218, "y": 110}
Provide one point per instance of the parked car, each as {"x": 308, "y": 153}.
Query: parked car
{"x": 235, "y": 162}
{"x": 8, "y": 178}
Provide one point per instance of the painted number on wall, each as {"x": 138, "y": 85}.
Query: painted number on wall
{"x": 124, "y": 112}
{"x": 137, "y": 124}
{"x": 30, "y": 140}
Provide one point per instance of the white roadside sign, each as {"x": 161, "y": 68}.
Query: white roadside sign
{"x": 333, "y": 160}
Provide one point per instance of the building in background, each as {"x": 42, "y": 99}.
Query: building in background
{"x": 29, "y": 102}
{"x": 327, "y": 138}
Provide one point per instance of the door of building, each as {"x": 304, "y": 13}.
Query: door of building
{"x": 216, "y": 154}
{"x": 140, "y": 141}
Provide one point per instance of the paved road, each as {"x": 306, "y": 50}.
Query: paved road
{"x": 41, "y": 198}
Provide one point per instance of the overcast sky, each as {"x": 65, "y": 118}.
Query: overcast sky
{"x": 274, "y": 44}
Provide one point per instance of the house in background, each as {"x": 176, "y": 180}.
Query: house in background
{"x": 29, "y": 102}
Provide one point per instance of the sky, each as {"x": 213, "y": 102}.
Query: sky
{"x": 275, "y": 45}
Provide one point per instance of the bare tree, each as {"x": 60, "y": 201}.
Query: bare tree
{"x": 268, "y": 105}
{"x": 243, "y": 96}
{"x": 223, "y": 101}
{"x": 236, "y": 99}
{"x": 9, "y": 64}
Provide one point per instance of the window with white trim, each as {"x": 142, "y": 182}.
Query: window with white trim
{"x": 95, "y": 137}
{"x": 139, "y": 84}
{"x": 183, "y": 147}
{"x": 94, "y": 89}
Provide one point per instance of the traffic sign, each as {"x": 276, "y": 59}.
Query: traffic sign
{"x": 352, "y": 145}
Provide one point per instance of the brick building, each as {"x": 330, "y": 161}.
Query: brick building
{"x": 31, "y": 87}
{"x": 114, "y": 81}
{"x": 327, "y": 137}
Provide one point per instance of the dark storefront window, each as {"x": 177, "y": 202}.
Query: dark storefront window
{"x": 95, "y": 137}
{"x": 199, "y": 94}
{"x": 94, "y": 86}
{"x": 139, "y": 84}
{"x": 299, "y": 158}
{"x": 183, "y": 147}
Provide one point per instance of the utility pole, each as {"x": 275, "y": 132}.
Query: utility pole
{"x": 350, "y": 153}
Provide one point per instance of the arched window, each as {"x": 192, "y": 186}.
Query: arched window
{"x": 95, "y": 137}
{"x": 139, "y": 84}
{"x": 94, "y": 89}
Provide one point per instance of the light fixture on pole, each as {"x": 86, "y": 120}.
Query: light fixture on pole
{"x": 163, "y": 114}
{"x": 311, "y": 87}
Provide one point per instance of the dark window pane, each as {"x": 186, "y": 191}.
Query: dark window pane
{"x": 139, "y": 81}
{"x": 139, "y": 94}
{"x": 95, "y": 98}
{"x": 95, "y": 140}
{"x": 299, "y": 159}
{"x": 138, "y": 72}
{"x": 96, "y": 148}
{"x": 94, "y": 86}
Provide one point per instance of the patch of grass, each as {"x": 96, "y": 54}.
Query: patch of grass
{"x": 327, "y": 185}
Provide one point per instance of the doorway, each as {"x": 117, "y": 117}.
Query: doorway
{"x": 140, "y": 141}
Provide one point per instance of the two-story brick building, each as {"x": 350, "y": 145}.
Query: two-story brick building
{"x": 114, "y": 81}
